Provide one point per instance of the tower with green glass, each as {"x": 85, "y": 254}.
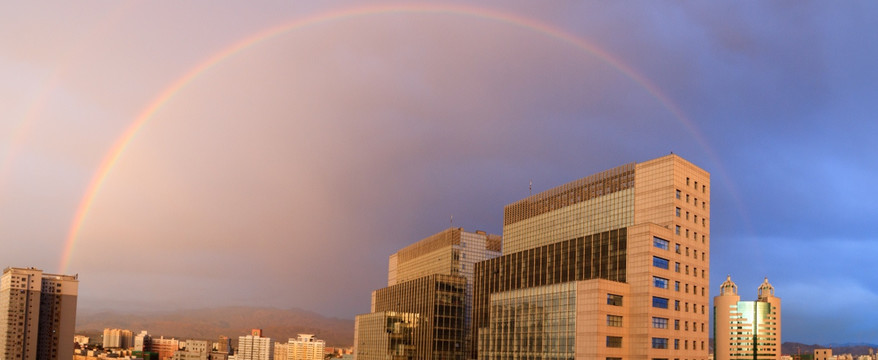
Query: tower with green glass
{"x": 746, "y": 329}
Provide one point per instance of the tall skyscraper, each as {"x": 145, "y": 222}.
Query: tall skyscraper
{"x": 611, "y": 266}
{"x": 254, "y": 347}
{"x": 424, "y": 312}
{"x": 37, "y": 314}
{"x": 305, "y": 347}
{"x": 746, "y": 330}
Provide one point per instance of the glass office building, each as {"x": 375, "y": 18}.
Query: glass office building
{"x": 623, "y": 253}
{"x": 746, "y": 330}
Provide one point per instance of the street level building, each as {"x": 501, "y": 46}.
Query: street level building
{"x": 612, "y": 266}
{"x": 37, "y": 314}
{"x": 747, "y": 330}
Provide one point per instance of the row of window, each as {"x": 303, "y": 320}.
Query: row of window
{"x": 663, "y": 283}
{"x": 662, "y": 323}
{"x": 662, "y": 343}
{"x": 703, "y": 187}
{"x": 663, "y": 263}
{"x": 663, "y": 303}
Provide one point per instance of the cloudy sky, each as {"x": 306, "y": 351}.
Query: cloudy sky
{"x": 275, "y": 153}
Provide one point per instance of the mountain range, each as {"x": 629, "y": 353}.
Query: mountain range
{"x": 234, "y": 321}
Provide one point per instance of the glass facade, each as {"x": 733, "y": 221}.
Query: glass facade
{"x": 386, "y": 335}
{"x": 590, "y": 205}
{"x": 438, "y": 302}
{"x": 598, "y": 256}
{"x": 532, "y": 323}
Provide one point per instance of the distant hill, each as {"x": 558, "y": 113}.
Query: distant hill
{"x": 209, "y": 324}
{"x": 793, "y": 348}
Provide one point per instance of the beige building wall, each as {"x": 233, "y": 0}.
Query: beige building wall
{"x": 822, "y": 354}
{"x": 596, "y": 319}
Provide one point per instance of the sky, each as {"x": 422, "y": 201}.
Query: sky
{"x": 200, "y": 154}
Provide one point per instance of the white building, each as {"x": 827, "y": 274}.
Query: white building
{"x": 306, "y": 347}
{"x": 254, "y": 347}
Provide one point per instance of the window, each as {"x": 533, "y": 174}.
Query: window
{"x": 615, "y": 300}
{"x": 676, "y": 344}
{"x": 696, "y": 185}
{"x": 678, "y": 212}
{"x": 659, "y": 343}
{"x": 678, "y": 194}
{"x": 687, "y": 269}
{"x": 703, "y": 188}
{"x": 660, "y": 283}
{"x": 687, "y": 215}
{"x": 687, "y": 310}
{"x": 687, "y": 198}
{"x": 695, "y": 218}
{"x": 702, "y": 274}
{"x": 687, "y": 181}
{"x": 702, "y": 222}
{"x": 676, "y": 324}
{"x": 660, "y": 263}
{"x": 676, "y": 286}
{"x": 677, "y": 230}
{"x": 659, "y": 302}
{"x": 660, "y": 323}
{"x": 687, "y": 288}
{"x": 676, "y": 305}
{"x": 614, "y": 341}
{"x": 614, "y": 320}
{"x": 686, "y": 345}
{"x": 677, "y": 248}
{"x": 687, "y": 248}
{"x": 686, "y": 326}
{"x": 660, "y": 243}
{"x": 677, "y": 267}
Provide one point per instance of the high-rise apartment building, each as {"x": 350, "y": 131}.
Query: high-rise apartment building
{"x": 142, "y": 341}
{"x": 305, "y": 347}
{"x": 166, "y": 348}
{"x": 118, "y": 339}
{"x": 747, "y": 330}
{"x": 37, "y": 314}
{"x": 254, "y": 347}
{"x": 611, "y": 266}
{"x": 424, "y": 313}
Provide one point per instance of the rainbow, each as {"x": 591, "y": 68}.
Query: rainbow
{"x": 158, "y": 102}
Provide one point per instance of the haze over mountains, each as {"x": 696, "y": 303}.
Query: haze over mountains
{"x": 210, "y": 323}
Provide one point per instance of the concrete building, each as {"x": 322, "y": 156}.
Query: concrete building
{"x": 165, "y": 347}
{"x": 254, "y": 347}
{"x": 37, "y": 314}
{"x": 747, "y": 330}
{"x": 281, "y": 351}
{"x": 118, "y": 339}
{"x": 224, "y": 345}
{"x": 445, "y": 260}
{"x": 142, "y": 342}
{"x": 305, "y": 347}
{"x": 612, "y": 266}
{"x": 822, "y": 354}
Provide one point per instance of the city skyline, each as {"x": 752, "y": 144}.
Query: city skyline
{"x": 212, "y": 150}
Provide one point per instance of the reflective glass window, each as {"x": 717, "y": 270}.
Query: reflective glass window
{"x": 660, "y": 262}
{"x": 659, "y": 302}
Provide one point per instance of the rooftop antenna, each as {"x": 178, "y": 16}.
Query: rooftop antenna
{"x": 451, "y": 222}
{"x": 530, "y": 188}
